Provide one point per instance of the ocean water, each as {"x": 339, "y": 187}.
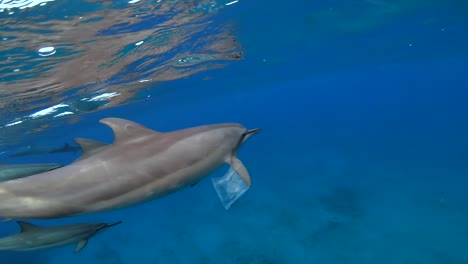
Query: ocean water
{"x": 363, "y": 153}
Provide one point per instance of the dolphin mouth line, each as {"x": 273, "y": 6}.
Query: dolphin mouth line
{"x": 246, "y": 133}
{"x": 242, "y": 138}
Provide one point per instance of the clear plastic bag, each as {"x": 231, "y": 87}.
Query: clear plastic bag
{"x": 229, "y": 187}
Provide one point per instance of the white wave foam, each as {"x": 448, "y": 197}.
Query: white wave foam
{"x": 21, "y": 4}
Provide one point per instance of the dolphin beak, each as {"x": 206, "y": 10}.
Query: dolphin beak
{"x": 246, "y": 135}
{"x": 252, "y": 131}
{"x": 114, "y": 224}
{"x": 105, "y": 226}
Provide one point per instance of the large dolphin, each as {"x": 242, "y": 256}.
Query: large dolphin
{"x": 33, "y": 237}
{"x": 140, "y": 165}
{"x": 15, "y": 171}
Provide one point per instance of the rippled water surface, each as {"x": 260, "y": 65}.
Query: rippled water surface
{"x": 80, "y": 56}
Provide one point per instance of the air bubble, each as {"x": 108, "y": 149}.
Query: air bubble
{"x": 46, "y": 51}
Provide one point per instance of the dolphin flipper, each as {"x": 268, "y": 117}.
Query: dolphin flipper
{"x": 233, "y": 184}
{"x": 82, "y": 244}
{"x": 241, "y": 170}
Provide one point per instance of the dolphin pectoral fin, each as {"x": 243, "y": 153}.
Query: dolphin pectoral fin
{"x": 82, "y": 244}
{"x": 240, "y": 169}
{"x": 232, "y": 185}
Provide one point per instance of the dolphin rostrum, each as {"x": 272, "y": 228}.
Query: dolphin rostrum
{"x": 141, "y": 164}
{"x": 33, "y": 237}
{"x": 15, "y": 171}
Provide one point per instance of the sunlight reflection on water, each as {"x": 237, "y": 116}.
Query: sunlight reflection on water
{"x": 21, "y": 4}
{"x": 83, "y": 51}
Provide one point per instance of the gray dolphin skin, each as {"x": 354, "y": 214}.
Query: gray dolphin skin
{"x": 16, "y": 171}
{"x": 141, "y": 164}
{"x": 33, "y": 237}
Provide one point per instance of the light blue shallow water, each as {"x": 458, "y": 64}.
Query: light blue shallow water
{"x": 362, "y": 158}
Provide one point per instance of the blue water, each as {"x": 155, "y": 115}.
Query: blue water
{"x": 362, "y": 158}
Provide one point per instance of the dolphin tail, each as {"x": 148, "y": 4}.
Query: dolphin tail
{"x": 233, "y": 184}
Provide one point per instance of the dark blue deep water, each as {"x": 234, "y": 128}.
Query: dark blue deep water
{"x": 363, "y": 106}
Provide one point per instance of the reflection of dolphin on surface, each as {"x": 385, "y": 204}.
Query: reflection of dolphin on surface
{"x": 33, "y": 237}
{"x": 140, "y": 165}
{"x": 16, "y": 171}
{"x": 40, "y": 150}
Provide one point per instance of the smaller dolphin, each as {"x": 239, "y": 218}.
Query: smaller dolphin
{"x": 40, "y": 150}
{"x": 88, "y": 148}
{"x": 16, "y": 171}
{"x": 33, "y": 237}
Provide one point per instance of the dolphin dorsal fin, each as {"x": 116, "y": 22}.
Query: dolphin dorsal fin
{"x": 125, "y": 130}
{"x": 89, "y": 147}
{"x": 25, "y": 226}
